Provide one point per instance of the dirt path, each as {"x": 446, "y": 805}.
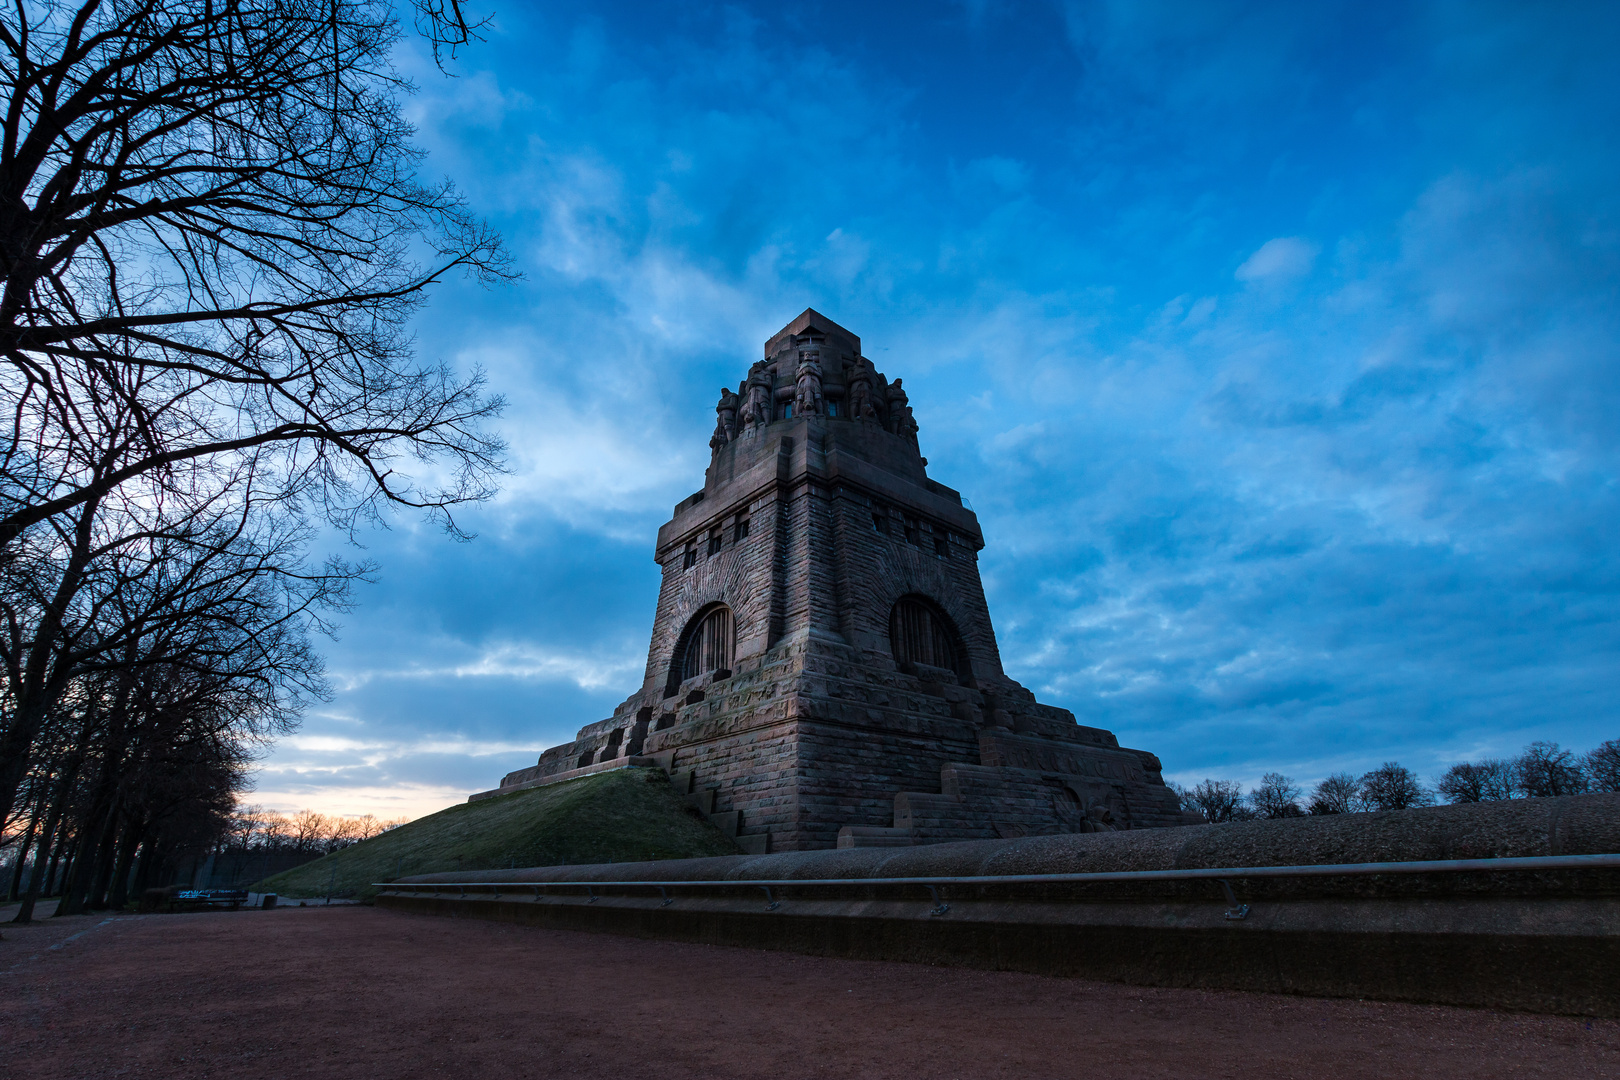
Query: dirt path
{"x": 362, "y": 993}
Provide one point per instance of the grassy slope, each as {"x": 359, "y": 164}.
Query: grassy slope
{"x": 620, "y": 816}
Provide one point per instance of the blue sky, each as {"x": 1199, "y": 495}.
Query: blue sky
{"x": 1275, "y": 346}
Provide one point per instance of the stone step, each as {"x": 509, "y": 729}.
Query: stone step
{"x": 861, "y": 836}
{"x": 754, "y": 843}
{"x": 704, "y": 800}
{"x": 912, "y": 808}
{"x": 727, "y": 822}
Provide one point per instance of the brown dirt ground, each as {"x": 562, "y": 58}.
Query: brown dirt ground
{"x": 357, "y": 992}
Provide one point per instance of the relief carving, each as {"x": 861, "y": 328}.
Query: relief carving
{"x": 725, "y": 428}
{"x": 808, "y": 400}
{"x": 860, "y": 392}
{"x": 757, "y": 409}
{"x": 901, "y": 421}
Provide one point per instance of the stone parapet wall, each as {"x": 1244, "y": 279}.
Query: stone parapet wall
{"x": 1546, "y": 941}
{"x": 1509, "y": 829}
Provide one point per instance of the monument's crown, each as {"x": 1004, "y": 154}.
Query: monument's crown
{"x": 812, "y": 368}
{"x": 813, "y": 323}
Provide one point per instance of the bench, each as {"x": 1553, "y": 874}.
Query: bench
{"x": 207, "y": 898}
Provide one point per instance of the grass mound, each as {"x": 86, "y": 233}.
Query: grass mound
{"x": 622, "y": 816}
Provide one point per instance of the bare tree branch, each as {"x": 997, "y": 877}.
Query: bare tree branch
{"x": 211, "y": 227}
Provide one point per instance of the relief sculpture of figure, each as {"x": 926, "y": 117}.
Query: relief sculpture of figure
{"x": 901, "y": 422}
{"x": 725, "y": 428}
{"x": 860, "y": 392}
{"x": 808, "y": 401}
{"x": 757, "y": 409}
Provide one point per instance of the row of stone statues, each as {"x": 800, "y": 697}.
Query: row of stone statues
{"x": 741, "y": 415}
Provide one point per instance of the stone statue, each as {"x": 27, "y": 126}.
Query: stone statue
{"x": 901, "y": 421}
{"x": 725, "y": 428}
{"x": 906, "y": 425}
{"x": 808, "y": 401}
{"x": 860, "y": 392}
{"x": 757, "y": 409}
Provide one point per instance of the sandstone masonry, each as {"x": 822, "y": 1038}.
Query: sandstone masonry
{"x": 823, "y": 671}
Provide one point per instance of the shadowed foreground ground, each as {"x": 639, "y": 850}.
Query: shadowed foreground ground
{"x": 358, "y": 992}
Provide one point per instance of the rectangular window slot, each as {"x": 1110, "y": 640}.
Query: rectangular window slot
{"x": 913, "y": 532}
{"x": 691, "y": 557}
{"x": 941, "y": 548}
{"x": 880, "y": 522}
{"x": 741, "y": 531}
{"x": 714, "y": 543}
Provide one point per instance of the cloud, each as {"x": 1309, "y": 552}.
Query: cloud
{"x": 1278, "y": 260}
{"x": 522, "y": 661}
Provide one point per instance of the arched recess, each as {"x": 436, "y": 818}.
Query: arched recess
{"x": 705, "y": 645}
{"x": 921, "y": 633}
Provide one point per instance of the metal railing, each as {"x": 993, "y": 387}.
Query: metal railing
{"x": 1223, "y": 875}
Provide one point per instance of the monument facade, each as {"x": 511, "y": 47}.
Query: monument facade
{"x": 823, "y": 671}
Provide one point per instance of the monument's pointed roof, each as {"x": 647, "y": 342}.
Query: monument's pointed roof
{"x": 813, "y": 319}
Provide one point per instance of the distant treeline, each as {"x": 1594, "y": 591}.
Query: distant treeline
{"x": 1543, "y": 769}
{"x": 247, "y": 834}
{"x": 253, "y": 828}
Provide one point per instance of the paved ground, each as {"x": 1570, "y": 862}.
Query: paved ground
{"x": 361, "y": 993}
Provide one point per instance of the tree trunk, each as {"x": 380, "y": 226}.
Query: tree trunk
{"x": 117, "y": 893}
{"x": 46, "y": 673}
{"x": 22, "y": 855}
{"x": 72, "y": 868}
{"x": 51, "y": 879}
{"x": 146, "y": 866}
{"x": 42, "y": 872}
{"x": 100, "y": 827}
{"x": 106, "y": 861}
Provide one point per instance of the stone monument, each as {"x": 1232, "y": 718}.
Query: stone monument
{"x": 823, "y": 671}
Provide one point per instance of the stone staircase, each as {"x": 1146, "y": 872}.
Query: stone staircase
{"x": 1028, "y": 785}
{"x": 703, "y": 799}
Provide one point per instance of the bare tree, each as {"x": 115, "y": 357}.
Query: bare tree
{"x": 309, "y": 830}
{"x": 1545, "y": 769}
{"x": 208, "y": 210}
{"x": 276, "y": 831}
{"x": 1603, "y": 766}
{"x": 188, "y": 641}
{"x": 1392, "y": 786}
{"x": 1483, "y": 781}
{"x": 1219, "y": 800}
{"x": 215, "y": 574}
{"x": 1334, "y": 794}
{"x": 1276, "y": 797}
{"x": 208, "y": 214}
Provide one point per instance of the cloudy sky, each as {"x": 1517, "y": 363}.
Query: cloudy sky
{"x": 1275, "y": 346}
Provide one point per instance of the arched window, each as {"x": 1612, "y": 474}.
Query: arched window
{"x": 920, "y": 633}
{"x": 705, "y": 646}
